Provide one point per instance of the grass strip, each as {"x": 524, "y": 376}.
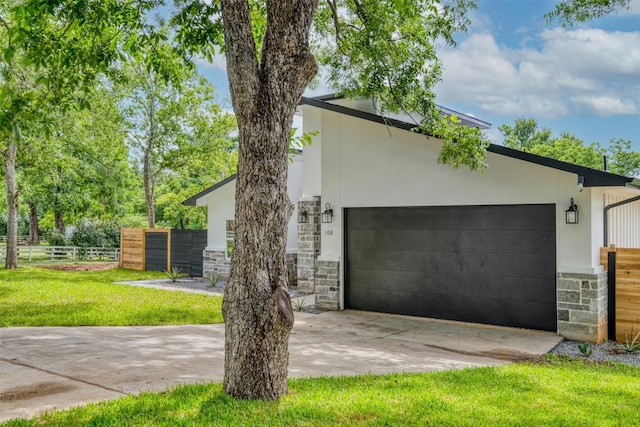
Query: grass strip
{"x": 554, "y": 392}
{"x": 32, "y": 296}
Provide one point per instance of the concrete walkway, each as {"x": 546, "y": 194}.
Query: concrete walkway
{"x": 46, "y": 368}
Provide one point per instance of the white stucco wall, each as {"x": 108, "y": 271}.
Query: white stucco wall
{"x": 365, "y": 164}
{"x": 294, "y": 189}
{"x": 221, "y": 207}
{"x": 312, "y": 173}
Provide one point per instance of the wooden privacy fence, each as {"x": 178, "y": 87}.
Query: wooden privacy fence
{"x": 626, "y": 282}
{"x": 160, "y": 249}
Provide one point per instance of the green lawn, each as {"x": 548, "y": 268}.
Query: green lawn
{"x": 551, "y": 393}
{"x": 32, "y": 296}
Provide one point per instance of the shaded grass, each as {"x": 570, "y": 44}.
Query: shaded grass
{"x": 556, "y": 392}
{"x": 32, "y": 296}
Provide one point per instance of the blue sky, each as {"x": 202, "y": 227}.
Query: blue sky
{"x": 583, "y": 80}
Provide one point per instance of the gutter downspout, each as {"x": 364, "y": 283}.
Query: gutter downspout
{"x": 606, "y": 219}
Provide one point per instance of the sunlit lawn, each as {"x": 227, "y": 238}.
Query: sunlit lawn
{"x": 552, "y": 393}
{"x": 32, "y": 296}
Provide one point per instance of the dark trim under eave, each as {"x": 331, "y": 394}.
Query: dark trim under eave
{"x": 191, "y": 201}
{"x": 592, "y": 177}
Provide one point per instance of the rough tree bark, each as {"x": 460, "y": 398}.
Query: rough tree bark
{"x": 12, "y": 203}
{"x": 34, "y": 233}
{"x": 257, "y": 306}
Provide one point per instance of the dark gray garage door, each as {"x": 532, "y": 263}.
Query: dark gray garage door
{"x": 486, "y": 264}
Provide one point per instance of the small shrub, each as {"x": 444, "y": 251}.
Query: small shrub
{"x": 299, "y": 304}
{"x": 55, "y": 238}
{"x": 213, "y": 280}
{"x": 96, "y": 235}
{"x": 632, "y": 344}
{"x": 585, "y": 349}
{"x": 174, "y": 274}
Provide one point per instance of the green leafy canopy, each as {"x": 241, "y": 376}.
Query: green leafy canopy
{"x": 382, "y": 50}
{"x": 568, "y": 12}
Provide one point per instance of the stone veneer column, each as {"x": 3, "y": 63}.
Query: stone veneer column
{"x": 215, "y": 263}
{"x": 308, "y": 245}
{"x": 328, "y": 285}
{"x": 292, "y": 267}
{"x": 582, "y": 306}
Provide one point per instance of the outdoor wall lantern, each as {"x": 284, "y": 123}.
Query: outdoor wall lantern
{"x": 303, "y": 216}
{"x": 327, "y": 215}
{"x": 571, "y": 214}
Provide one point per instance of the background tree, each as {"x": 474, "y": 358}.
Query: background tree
{"x": 79, "y": 171}
{"x": 203, "y": 171}
{"x": 50, "y": 49}
{"x": 622, "y": 159}
{"x": 525, "y": 135}
{"x": 172, "y": 122}
{"x": 570, "y": 149}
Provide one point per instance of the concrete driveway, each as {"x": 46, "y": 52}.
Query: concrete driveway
{"x": 46, "y": 368}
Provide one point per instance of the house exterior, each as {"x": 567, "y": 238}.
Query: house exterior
{"x": 410, "y": 236}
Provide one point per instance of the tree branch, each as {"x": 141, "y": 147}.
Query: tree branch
{"x": 336, "y": 24}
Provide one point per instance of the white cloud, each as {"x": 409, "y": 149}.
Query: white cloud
{"x": 573, "y": 71}
{"x": 219, "y": 62}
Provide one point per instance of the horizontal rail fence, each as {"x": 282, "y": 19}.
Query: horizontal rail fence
{"x": 63, "y": 253}
{"x": 22, "y": 240}
{"x": 627, "y": 291}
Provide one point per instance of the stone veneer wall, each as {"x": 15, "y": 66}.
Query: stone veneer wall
{"x": 582, "y": 306}
{"x": 308, "y": 245}
{"x": 327, "y": 283}
{"x": 215, "y": 263}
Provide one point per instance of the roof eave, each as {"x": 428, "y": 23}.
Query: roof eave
{"x": 192, "y": 201}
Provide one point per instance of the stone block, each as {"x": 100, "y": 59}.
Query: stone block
{"x": 566, "y": 284}
{"x": 306, "y": 286}
{"x": 586, "y": 317}
{"x": 563, "y": 315}
{"x": 578, "y": 332}
{"x": 569, "y": 296}
{"x": 571, "y": 306}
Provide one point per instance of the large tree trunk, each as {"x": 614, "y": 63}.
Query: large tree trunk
{"x": 256, "y": 306}
{"x": 34, "y": 232}
{"x": 149, "y": 190}
{"x": 147, "y": 175}
{"x": 12, "y": 203}
{"x": 59, "y": 222}
{"x": 57, "y": 211}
